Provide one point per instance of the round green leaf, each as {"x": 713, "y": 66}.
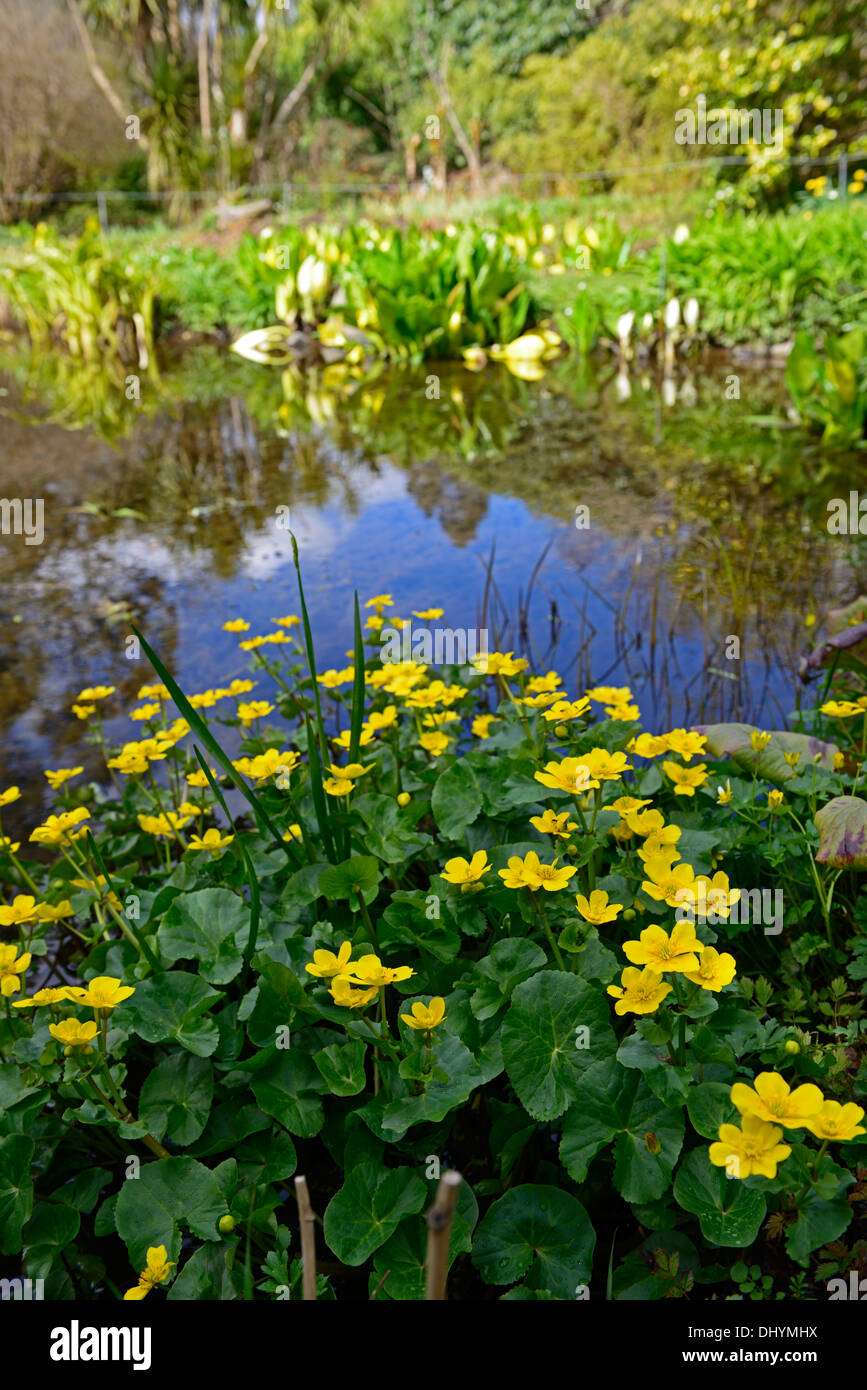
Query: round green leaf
{"x": 617, "y": 1105}
{"x": 540, "y": 1229}
{"x": 540, "y": 1037}
{"x": 175, "y": 1099}
{"x": 729, "y": 1213}
{"x": 204, "y": 926}
{"x": 369, "y": 1208}
{"x": 166, "y": 1195}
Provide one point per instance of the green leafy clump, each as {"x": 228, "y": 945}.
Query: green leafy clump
{"x": 428, "y": 917}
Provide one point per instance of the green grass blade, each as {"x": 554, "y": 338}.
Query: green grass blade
{"x": 196, "y": 722}
{"x": 357, "y": 715}
{"x": 319, "y": 803}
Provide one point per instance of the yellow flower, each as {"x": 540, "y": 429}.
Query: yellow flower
{"x": 74, "y": 1034}
{"x": 666, "y": 880}
{"x": 379, "y": 720}
{"x": 104, "y": 992}
{"x": 836, "y": 1121}
{"x": 11, "y": 847}
{"x": 775, "y": 799}
{"x": 537, "y": 684}
{"x": 647, "y": 745}
{"x": 501, "y": 664}
{"x": 597, "y": 909}
{"x": 11, "y": 966}
{"x": 661, "y": 844}
{"x": 460, "y": 871}
{"x": 644, "y": 822}
{"x": 83, "y": 711}
{"x": 167, "y": 823}
{"x": 685, "y": 779}
{"x": 252, "y": 710}
{"x": 639, "y": 991}
{"x": 290, "y": 620}
{"x": 428, "y": 615}
{"x": 714, "y": 894}
{"x": 23, "y": 910}
{"x": 50, "y": 996}
{"x": 724, "y": 794}
{"x": 98, "y": 887}
{"x": 337, "y": 786}
{"x": 47, "y": 912}
{"x": 380, "y": 601}
{"x": 63, "y": 774}
{"x": 610, "y": 694}
{"x": 841, "y": 709}
{"x": 331, "y": 678}
{"x": 755, "y": 1149}
{"x": 292, "y": 832}
{"x": 236, "y": 625}
{"x": 539, "y": 701}
{"x": 212, "y": 840}
{"x": 529, "y": 873}
{"x": 715, "y": 970}
{"x": 342, "y": 993}
{"x": 370, "y": 973}
{"x": 11, "y": 794}
{"x": 153, "y": 692}
{"x": 326, "y": 964}
{"x": 774, "y": 1100}
{"x": 569, "y": 775}
{"x": 351, "y": 772}
{"x": 435, "y": 744}
{"x": 564, "y": 710}
{"x": 482, "y": 723}
{"x": 688, "y": 745}
{"x": 759, "y": 740}
{"x": 96, "y": 692}
{"x": 661, "y": 952}
{"x": 794, "y": 758}
{"x": 426, "y": 1016}
{"x": 374, "y": 622}
{"x": 549, "y": 823}
{"x": 56, "y": 829}
{"x": 158, "y": 1269}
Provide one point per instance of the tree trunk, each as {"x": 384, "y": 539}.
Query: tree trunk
{"x": 205, "y": 74}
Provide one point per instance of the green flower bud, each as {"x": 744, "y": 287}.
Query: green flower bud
{"x": 226, "y": 1224}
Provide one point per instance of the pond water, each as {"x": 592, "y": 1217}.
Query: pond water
{"x": 706, "y": 544}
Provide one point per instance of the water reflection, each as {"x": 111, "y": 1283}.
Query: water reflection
{"x": 443, "y": 486}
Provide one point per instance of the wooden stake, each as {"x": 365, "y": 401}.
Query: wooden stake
{"x": 439, "y": 1220}
{"x": 308, "y": 1239}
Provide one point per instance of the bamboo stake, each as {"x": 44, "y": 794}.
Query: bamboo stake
{"x": 308, "y": 1239}
{"x": 439, "y": 1220}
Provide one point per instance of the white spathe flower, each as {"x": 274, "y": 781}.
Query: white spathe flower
{"x": 622, "y": 386}
{"x": 690, "y": 313}
{"x": 312, "y": 277}
{"x": 669, "y": 391}
{"x": 672, "y": 314}
{"x": 647, "y": 323}
{"x": 624, "y": 326}
{"x": 681, "y": 234}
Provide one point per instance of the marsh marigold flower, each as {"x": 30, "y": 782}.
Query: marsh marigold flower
{"x": 464, "y": 872}
{"x": 773, "y": 1100}
{"x": 11, "y": 794}
{"x": 596, "y": 908}
{"x": 639, "y": 991}
{"x": 22, "y": 911}
{"x": 686, "y": 743}
{"x": 715, "y": 970}
{"x": 836, "y": 1121}
{"x": 754, "y": 1149}
{"x": 426, "y": 1016}
{"x": 685, "y": 779}
{"x": 550, "y": 823}
{"x": 74, "y": 1035}
{"x": 11, "y": 966}
{"x": 104, "y": 992}
{"x": 212, "y": 840}
{"x": 656, "y": 949}
{"x": 62, "y": 774}
{"x": 569, "y": 775}
{"x": 157, "y": 1270}
{"x": 325, "y": 964}
{"x": 666, "y": 881}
